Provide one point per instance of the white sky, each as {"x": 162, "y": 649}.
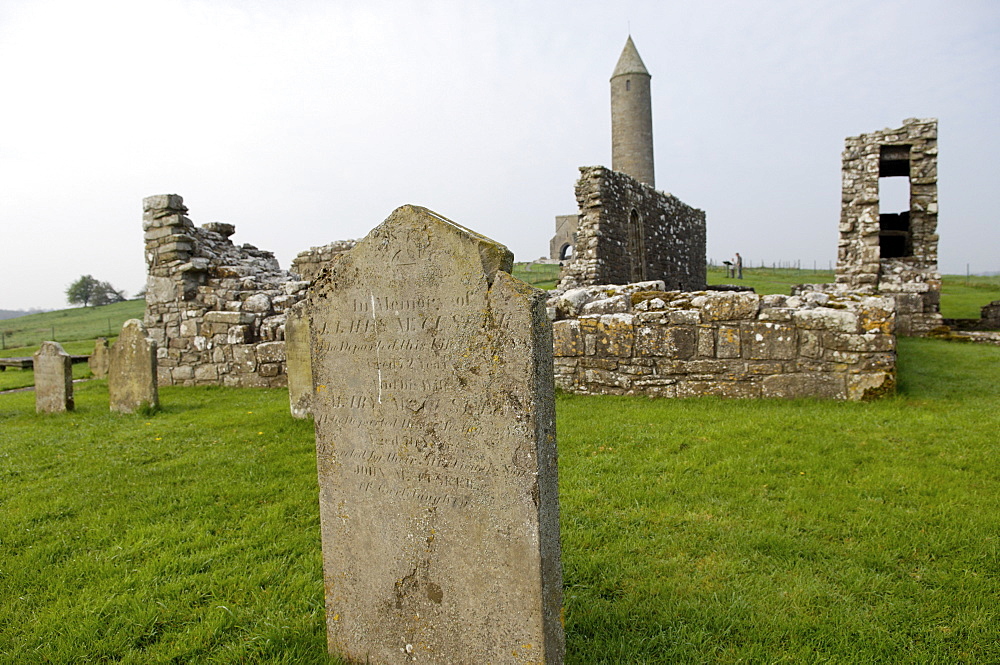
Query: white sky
{"x": 304, "y": 122}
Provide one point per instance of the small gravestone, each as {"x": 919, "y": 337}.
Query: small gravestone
{"x": 298, "y": 364}
{"x": 99, "y": 359}
{"x": 53, "y": 379}
{"x": 436, "y": 451}
{"x": 132, "y": 370}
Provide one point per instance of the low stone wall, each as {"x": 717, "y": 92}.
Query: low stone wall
{"x": 215, "y": 310}
{"x": 638, "y": 339}
{"x": 916, "y": 305}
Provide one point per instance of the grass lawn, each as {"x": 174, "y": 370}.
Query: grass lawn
{"x": 693, "y": 531}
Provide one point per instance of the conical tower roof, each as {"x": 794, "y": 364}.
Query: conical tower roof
{"x": 629, "y": 62}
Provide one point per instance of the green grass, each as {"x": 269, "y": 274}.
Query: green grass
{"x": 190, "y": 536}
{"x": 66, "y": 325}
{"x": 541, "y": 275}
{"x": 963, "y": 297}
{"x": 770, "y": 280}
{"x": 693, "y": 531}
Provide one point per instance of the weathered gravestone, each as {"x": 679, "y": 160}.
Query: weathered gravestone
{"x": 99, "y": 359}
{"x": 298, "y": 364}
{"x": 132, "y": 370}
{"x": 53, "y": 379}
{"x": 436, "y": 451}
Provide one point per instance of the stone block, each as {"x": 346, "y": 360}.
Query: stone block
{"x": 208, "y": 373}
{"x": 258, "y": 303}
{"x": 728, "y": 389}
{"x": 730, "y": 306}
{"x": 877, "y": 315}
{"x": 825, "y": 318}
{"x": 567, "y": 338}
{"x": 811, "y": 343}
{"x": 182, "y": 373}
{"x": 727, "y": 342}
{"x": 769, "y": 341}
{"x": 615, "y": 335}
{"x": 245, "y": 358}
{"x": 816, "y": 385}
{"x": 866, "y": 386}
{"x": 678, "y": 342}
{"x": 706, "y": 342}
{"x": 238, "y": 334}
{"x": 271, "y": 352}
{"x": 228, "y": 318}
{"x": 866, "y": 343}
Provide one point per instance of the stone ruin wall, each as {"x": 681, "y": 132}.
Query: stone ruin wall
{"x": 215, "y": 310}
{"x": 889, "y": 254}
{"x": 309, "y": 263}
{"x": 629, "y": 232}
{"x": 563, "y": 243}
{"x": 641, "y": 340}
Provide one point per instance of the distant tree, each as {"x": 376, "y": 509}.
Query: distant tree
{"x": 81, "y": 292}
{"x": 105, "y": 294}
{"x": 89, "y": 291}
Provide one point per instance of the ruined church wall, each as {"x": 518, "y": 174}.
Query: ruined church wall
{"x": 215, "y": 310}
{"x": 866, "y": 259}
{"x": 630, "y": 232}
{"x": 741, "y": 345}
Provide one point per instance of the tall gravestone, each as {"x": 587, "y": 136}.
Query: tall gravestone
{"x": 132, "y": 370}
{"x": 98, "y": 360}
{"x": 53, "y": 379}
{"x": 298, "y": 363}
{"x": 436, "y": 451}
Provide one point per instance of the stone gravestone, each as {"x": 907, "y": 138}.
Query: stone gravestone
{"x": 53, "y": 379}
{"x": 98, "y": 360}
{"x": 132, "y": 370}
{"x": 436, "y": 451}
{"x": 298, "y": 364}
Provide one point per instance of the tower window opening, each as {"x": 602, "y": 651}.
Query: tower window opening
{"x": 894, "y": 237}
{"x": 628, "y": 84}
{"x": 894, "y": 160}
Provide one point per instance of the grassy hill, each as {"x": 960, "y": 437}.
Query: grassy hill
{"x": 66, "y": 325}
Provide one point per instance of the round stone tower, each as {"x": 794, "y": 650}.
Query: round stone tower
{"x": 632, "y": 117}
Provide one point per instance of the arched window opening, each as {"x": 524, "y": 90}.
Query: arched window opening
{"x": 636, "y": 248}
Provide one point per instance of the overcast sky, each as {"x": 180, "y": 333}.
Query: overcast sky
{"x": 304, "y": 122}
